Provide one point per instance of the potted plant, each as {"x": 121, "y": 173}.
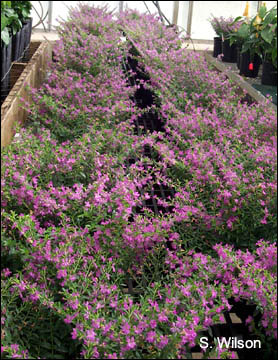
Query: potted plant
{"x": 23, "y": 10}
{"x": 267, "y": 32}
{"x": 10, "y": 25}
{"x": 245, "y": 58}
{"x": 238, "y": 37}
{"x": 10, "y": 22}
{"x": 224, "y": 27}
{"x": 217, "y": 40}
{"x": 262, "y": 42}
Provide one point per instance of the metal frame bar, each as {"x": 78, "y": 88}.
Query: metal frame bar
{"x": 121, "y": 6}
{"x": 50, "y": 13}
{"x": 175, "y": 12}
{"x": 189, "y": 18}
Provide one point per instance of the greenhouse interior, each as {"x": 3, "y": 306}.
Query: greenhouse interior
{"x": 139, "y": 180}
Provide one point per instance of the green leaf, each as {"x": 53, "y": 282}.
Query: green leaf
{"x": 262, "y": 12}
{"x": 243, "y": 31}
{"x": 271, "y": 18}
{"x": 4, "y": 21}
{"x": 267, "y": 35}
{"x": 5, "y": 36}
{"x": 236, "y": 19}
{"x": 25, "y": 13}
{"x": 5, "y": 4}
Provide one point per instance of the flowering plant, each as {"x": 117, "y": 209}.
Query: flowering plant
{"x": 107, "y": 276}
{"x": 225, "y": 26}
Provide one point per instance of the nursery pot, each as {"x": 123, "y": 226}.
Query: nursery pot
{"x": 16, "y": 46}
{"x": 245, "y": 68}
{"x": 238, "y": 56}
{"x": 28, "y": 31}
{"x": 6, "y": 57}
{"x": 22, "y": 41}
{"x": 217, "y": 46}
{"x": 269, "y": 75}
{"x": 229, "y": 52}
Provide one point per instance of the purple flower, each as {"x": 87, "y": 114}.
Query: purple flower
{"x": 91, "y": 335}
{"x": 130, "y": 343}
{"x": 151, "y": 336}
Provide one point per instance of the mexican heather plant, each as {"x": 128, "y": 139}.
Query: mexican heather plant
{"x": 100, "y": 275}
{"x": 223, "y": 150}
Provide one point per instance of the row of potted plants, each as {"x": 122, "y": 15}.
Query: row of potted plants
{"x": 16, "y": 27}
{"x": 71, "y": 238}
{"x": 249, "y": 42}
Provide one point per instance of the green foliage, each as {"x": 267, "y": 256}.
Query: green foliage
{"x": 13, "y": 14}
{"x": 22, "y": 9}
{"x": 10, "y": 24}
{"x": 262, "y": 39}
{"x": 240, "y": 36}
{"x": 35, "y": 327}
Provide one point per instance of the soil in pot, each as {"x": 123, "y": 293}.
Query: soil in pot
{"x": 217, "y": 46}
{"x": 249, "y": 67}
{"x": 269, "y": 75}
{"x": 229, "y": 52}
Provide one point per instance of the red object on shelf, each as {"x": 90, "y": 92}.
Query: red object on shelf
{"x": 251, "y": 67}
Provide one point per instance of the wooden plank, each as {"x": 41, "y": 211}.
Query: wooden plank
{"x": 33, "y": 75}
{"x": 235, "y": 319}
{"x": 257, "y": 96}
{"x": 197, "y": 356}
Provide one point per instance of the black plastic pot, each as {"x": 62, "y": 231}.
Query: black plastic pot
{"x": 269, "y": 75}
{"x": 229, "y": 52}
{"x": 217, "y": 46}
{"x": 245, "y": 61}
{"x": 6, "y": 57}
{"x": 22, "y": 41}
{"x": 238, "y": 56}
{"x": 16, "y": 46}
{"x": 28, "y": 30}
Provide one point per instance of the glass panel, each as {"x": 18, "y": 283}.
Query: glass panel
{"x": 165, "y": 6}
{"x": 183, "y": 14}
{"x": 60, "y": 9}
{"x": 202, "y": 10}
{"x": 270, "y": 4}
{"x": 41, "y": 11}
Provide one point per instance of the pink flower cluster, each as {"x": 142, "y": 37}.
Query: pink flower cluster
{"x": 225, "y": 26}
{"x": 78, "y": 243}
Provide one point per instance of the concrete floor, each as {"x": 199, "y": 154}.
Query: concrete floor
{"x": 40, "y": 35}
